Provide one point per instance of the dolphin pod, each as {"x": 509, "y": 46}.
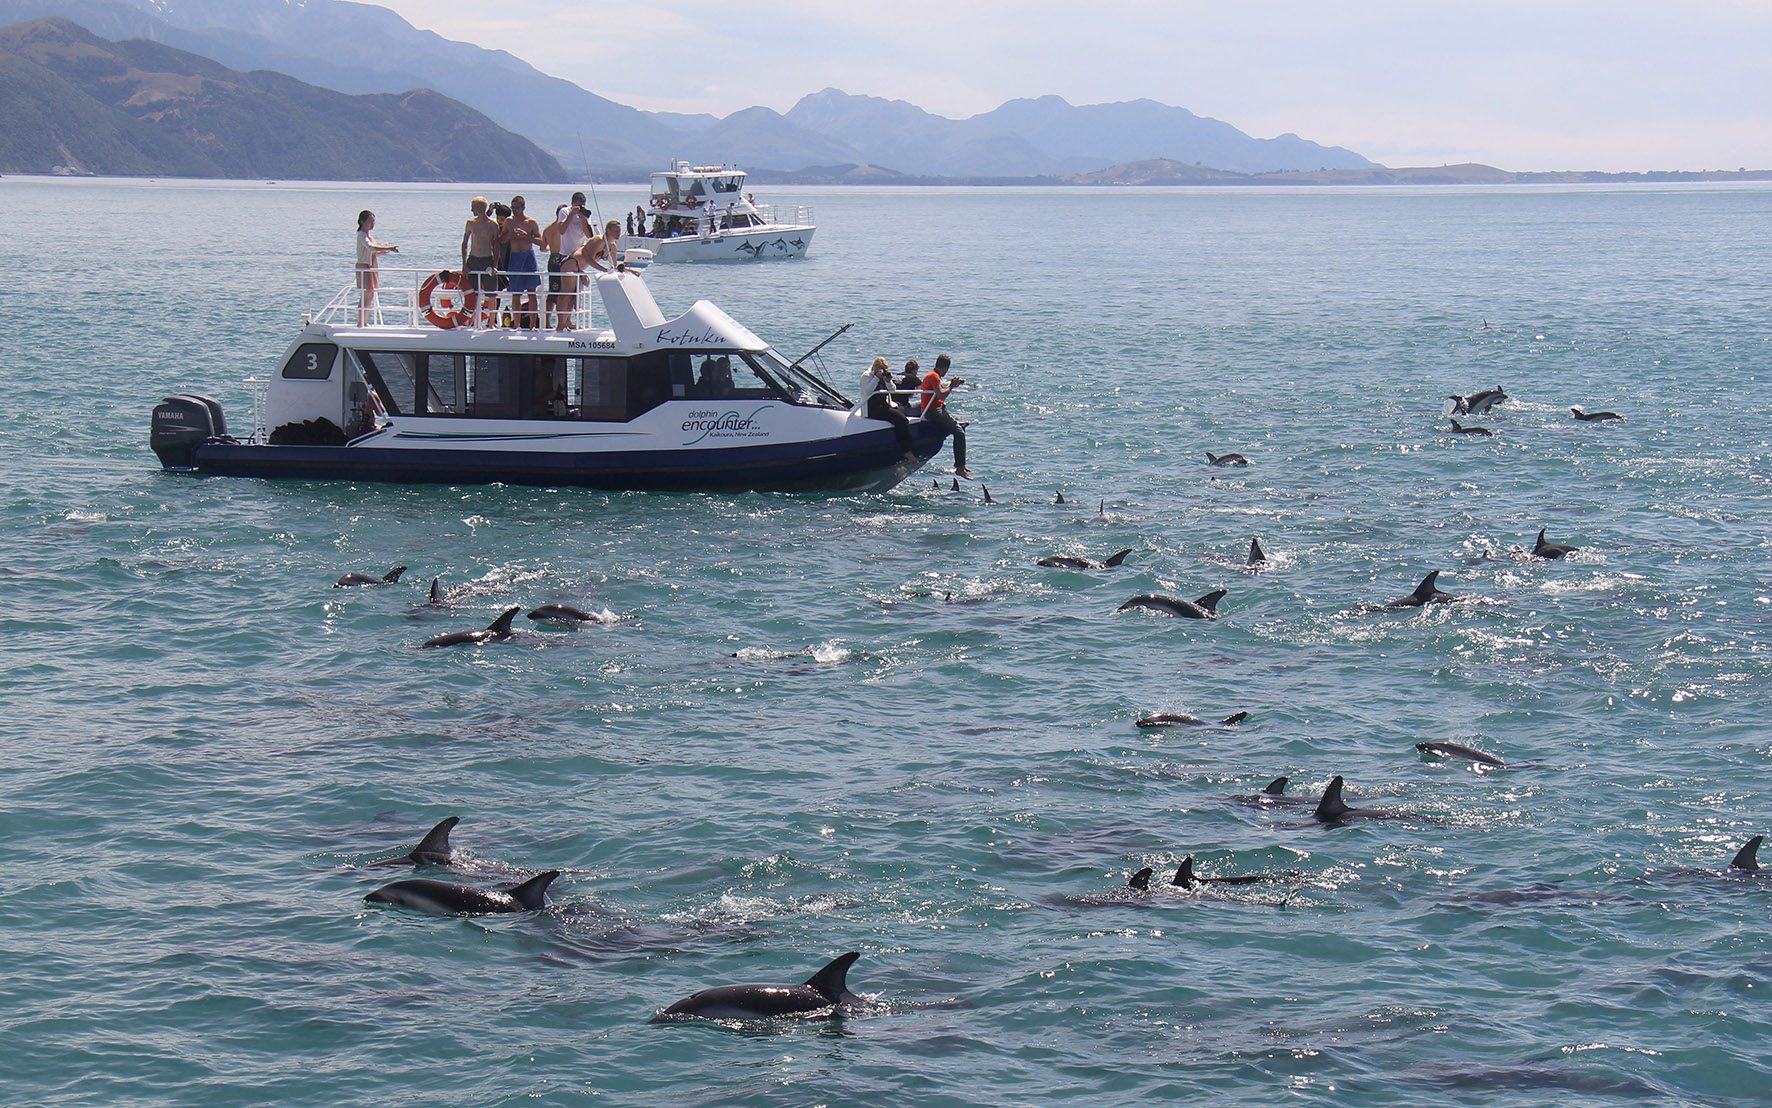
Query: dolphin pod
{"x": 441, "y": 898}
{"x": 825, "y": 992}
{"x": 1065, "y": 561}
{"x": 1204, "y": 608}
{"x": 352, "y": 580}
{"x": 496, "y": 631}
{"x": 432, "y": 850}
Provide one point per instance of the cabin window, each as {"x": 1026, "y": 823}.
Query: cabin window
{"x": 394, "y": 376}
{"x": 312, "y": 361}
{"x": 446, "y": 384}
{"x": 602, "y": 392}
{"x": 495, "y": 386}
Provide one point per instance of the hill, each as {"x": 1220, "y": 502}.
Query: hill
{"x": 90, "y": 105}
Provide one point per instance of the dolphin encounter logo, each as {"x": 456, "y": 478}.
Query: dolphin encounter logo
{"x": 724, "y": 425}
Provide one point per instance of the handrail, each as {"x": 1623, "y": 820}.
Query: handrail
{"x": 396, "y": 303}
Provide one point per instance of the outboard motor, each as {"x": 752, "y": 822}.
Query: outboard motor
{"x": 181, "y": 424}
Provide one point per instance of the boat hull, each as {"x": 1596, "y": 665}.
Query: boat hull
{"x": 754, "y": 244}
{"x": 869, "y": 461}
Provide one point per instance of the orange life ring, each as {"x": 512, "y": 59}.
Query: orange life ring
{"x": 661, "y": 202}
{"x": 453, "y": 312}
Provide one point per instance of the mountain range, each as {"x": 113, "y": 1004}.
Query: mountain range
{"x": 78, "y": 103}
{"x": 359, "y": 49}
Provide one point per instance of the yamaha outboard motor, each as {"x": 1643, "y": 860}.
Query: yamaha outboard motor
{"x": 181, "y": 424}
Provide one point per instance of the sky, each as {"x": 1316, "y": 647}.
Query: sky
{"x": 1618, "y": 85}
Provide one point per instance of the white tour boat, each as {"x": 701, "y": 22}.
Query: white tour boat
{"x": 412, "y": 390}
{"x": 704, "y": 214}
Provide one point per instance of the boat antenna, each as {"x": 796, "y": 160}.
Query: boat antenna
{"x": 827, "y": 341}
{"x": 596, "y": 205}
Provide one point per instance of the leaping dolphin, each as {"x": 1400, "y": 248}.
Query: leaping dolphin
{"x": 496, "y": 631}
{"x": 1204, "y": 608}
{"x": 1549, "y": 550}
{"x": 1478, "y": 402}
{"x": 825, "y": 992}
{"x": 432, "y": 850}
{"x": 1595, "y": 417}
{"x": 440, "y": 898}
{"x": 351, "y": 580}
{"x": 1065, "y": 561}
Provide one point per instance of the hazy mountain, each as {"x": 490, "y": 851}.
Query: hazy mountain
{"x": 905, "y": 138}
{"x": 138, "y": 107}
{"x": 363, "y": 48}
{"x": 761, "y": 137}
{"x": 1140, "y": 130}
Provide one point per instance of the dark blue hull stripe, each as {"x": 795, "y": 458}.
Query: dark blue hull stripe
{"x": 869, "y": 461}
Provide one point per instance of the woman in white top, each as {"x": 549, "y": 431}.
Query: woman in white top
{"x": 369, "y": 254}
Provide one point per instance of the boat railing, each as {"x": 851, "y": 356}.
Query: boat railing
{"x": 404, "y": 299}
{"x": 800, "y": 215}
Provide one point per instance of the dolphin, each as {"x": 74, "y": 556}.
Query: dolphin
{"x": 1256, "y": 554}
{"x": 1478, "y": 402}
{"x": 1548, "y": 550}
{"x": 955, "y": 487}
{"x": 1101, "y": 510}
{"x": 1231, "y": 459}
{"x": 1272, "y": 795}
{"x": 1141, "y": 881}
{"x": 825, "y": 992}
{"x": 1186, "y": 878}
{"x": 432, "y": 850}
{"x": 563, "y": 614}
{"x": 1595, "y": 417}
{"x": 496, "y": 631}
{"x": 1204, "y": 608}
{"x": 436, "y": 600}
{"x": 440, "y": 898}
{"x": 1065, "y": 561}
{"x": 1459, "y": 750}
{"x": 1183, "y": 719}
{"x": 351, "y": 580}
{"x": 1332, "y": 809}
{"x": 1428, "y": 592}
{"x": 1481, "y": 432}
{"x": 1747, "y": 858}
{"x": 1058, "y": 498}
{"x": 987, "y": 494}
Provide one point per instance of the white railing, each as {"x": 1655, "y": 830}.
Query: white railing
{"x": 398, "y": 302}
{"x": 801, "y": 214}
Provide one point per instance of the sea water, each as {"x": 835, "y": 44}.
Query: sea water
{"x": 815, "y": 724}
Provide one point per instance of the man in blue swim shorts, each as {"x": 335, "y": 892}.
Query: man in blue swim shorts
{"x": 521, "y": 233}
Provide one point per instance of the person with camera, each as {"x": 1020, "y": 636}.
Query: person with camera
{"x": 934, "y": 400}
{"x": 877, "y": 386}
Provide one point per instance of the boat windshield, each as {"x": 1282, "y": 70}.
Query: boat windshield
{"x": 796, "y": 381}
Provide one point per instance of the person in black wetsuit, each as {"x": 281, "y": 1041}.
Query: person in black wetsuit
{"x": 878, "y": 383}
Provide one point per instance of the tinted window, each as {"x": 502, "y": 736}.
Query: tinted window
{"x": 495, "y": 386}
{"x": 312, "y": 361}
{"x": 446, "y": 384}
{"x": 602, "y": 389}
{"x": 394, "y": 376}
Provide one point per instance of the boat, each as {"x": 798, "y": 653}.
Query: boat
{"x": 413, "y": 389}
{"x": 703, "y": 214}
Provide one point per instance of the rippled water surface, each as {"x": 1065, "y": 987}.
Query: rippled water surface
{"x": 814, "y": 725}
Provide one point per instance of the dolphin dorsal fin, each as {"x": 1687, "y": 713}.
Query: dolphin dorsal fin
{"x": 532, "y": 894}
{"x": 832, "y": 982}
{"x": 436, "y": 840}
{"x": 1747, "y": 857}
{"x": 1539, "y": 545}
{"x": 1331, "y": 805}
{"x": 1233, "y": 719}
{"x": 955, "y": 487}
{"x": 502, "y": 624}
{"x": 436, "y": 590}
{"x": 1210, "y": 600}
{"x": 1428, "y": 587}
{"x": 1101, "y": 509}
{"x": 1184, "y": 874}
{"x": 987, "y": 494}
{"x": 1256, "y": 554}
{"x": 1116, "y": 558}
{"x": 1058, "y": 498}
{"x": 1141, "y": 880}
{"x": 1211, "y": 458}
{"x": 1457, "y": 426}
{"x": 1276, "y": 787}
{"x": 393, "y": 575}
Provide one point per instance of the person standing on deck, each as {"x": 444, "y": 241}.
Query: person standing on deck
{"x": 479, "y": 258}
{"x": 521, "y": 233}
{"x": 935, "y": 411}
{"x": 368, "y": 273}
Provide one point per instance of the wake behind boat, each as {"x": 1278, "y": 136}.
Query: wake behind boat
{"x": 697, "y": 402}
{"x": 703, "y": 214}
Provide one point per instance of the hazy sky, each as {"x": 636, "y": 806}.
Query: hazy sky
{"x": 1523, "y": 84}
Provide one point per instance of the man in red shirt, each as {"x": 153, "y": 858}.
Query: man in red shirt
{"x": 935, "y": 412}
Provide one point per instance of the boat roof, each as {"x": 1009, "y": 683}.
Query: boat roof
{"x": 684, "y": 169}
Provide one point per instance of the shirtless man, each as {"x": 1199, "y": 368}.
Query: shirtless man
{"x": 479, "y": 253}
{"x": 521, "y": 232}
{"x": 605, "y": 248}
